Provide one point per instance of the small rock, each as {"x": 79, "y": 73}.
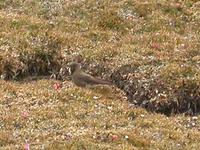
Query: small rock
{"x": 126, "y": 137}
{"x": 95, "y": 97}
{"x": 195, "y": 118}
{"x": 142, "y": 115}
{"x": 109, "y": 107}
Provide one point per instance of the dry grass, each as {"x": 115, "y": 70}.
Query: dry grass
{"x": 76, "y": 118}
{"x": 158, "y": 42}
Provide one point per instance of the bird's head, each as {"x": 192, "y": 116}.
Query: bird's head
{"x": 74, "y": 66}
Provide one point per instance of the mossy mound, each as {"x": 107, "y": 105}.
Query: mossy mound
{"x": 160, "y": 91}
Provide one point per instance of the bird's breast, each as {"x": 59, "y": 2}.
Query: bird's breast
{"x": 77, "y": 80}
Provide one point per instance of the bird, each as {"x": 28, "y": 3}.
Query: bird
{"x": 82, "y": 79}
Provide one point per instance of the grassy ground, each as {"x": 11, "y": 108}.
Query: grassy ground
{"x": 74, "y": 118}
{"x": 159, "y": 40}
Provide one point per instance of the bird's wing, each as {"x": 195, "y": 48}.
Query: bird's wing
{"x": 91, "y": 80}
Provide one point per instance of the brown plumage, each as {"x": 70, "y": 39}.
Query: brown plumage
{"x": 82, "y": 79}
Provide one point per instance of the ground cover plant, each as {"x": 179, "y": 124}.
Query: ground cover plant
{"x": 148, "y": 49}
